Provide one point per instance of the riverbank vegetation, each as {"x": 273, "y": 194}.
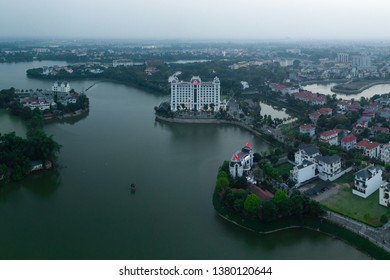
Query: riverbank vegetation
{"x": 19, "y": 156}
{"x": 235, "y": 194}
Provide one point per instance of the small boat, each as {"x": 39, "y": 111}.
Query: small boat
{"x": 132, "y": 188}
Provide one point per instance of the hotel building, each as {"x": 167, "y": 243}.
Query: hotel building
{"x": 195, "y": 94}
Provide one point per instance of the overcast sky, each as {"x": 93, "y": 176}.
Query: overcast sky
{"x": 196, "y": 19}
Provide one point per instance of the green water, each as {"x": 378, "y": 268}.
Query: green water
{"x": 84, "y": 210}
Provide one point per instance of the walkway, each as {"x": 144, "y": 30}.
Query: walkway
{"x": 379, "y": 236}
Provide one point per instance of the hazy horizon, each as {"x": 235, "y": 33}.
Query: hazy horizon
{"x": 249, "y": 20}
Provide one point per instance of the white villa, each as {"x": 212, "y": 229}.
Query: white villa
{"x": 367, "y": 181}
{"x": 63, "y": 87}
{"x": 241, "y": 162}
{"x": 195, "y": 94}
{"x": 310, "y": 164}
{"x": 328, "y": 167}
{"x": 384, "y": 194}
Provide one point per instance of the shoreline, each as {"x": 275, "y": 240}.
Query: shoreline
{"x": 326, "y": 226}
{"x": 359, "y": 90}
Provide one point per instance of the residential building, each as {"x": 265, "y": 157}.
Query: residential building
{"x": 348, "y": 142}
{"x": 343, "y": 57}
{"x": 328, "y": 166}
{"x": 367, "y": 181}
{"x": 370, "y": 149}
{"x": 361, "y": 61}
{"x": 303, "y": 172}
{"x": 195, "y": 94}
{"x": 283, "y": 89}
{"x": 331, "y": 137}
{"x": 342, "y": 104}
{"x": 312, "y": 98}
{"x": 241, "y": 162}
{"x": 307, "y": 129}
{"x": 384, "y": 194}
{"x": 63, "y": 87}
{"x": 306, "y": 152}
{"x": 385, "y": 152}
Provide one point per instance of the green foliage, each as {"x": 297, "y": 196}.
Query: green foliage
{"x": 279, "y": 197}
{"x": 225, "y": 166}
{"x": 221, "y": 184}
{"x": 269, "y": 211}
{"x": 251, "y": 203}
{"x": 384, "y": 219}
{"x": 16, "y": 153}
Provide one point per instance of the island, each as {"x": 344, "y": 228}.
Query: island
{"x": 38, "y": 151}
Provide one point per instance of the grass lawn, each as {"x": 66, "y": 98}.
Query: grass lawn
{"x": 346, "y": 178}
{"x": 368, "y": 210}
{"x": 284, "y": 168}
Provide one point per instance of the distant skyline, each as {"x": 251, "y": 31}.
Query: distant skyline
{"x": 201, "y": 19}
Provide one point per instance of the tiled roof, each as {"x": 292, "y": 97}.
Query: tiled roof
{"x": 367, "y": 144}
{"x": 348, "y": 138}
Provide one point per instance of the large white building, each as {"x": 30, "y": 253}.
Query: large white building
{"x": 241, "y": 162}
{"x": 63, "y": 87}
{"x": 367, "y": 181}
{"x": 195, "y": 94}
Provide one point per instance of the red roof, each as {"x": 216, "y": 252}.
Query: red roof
{"x": 382, "y": 129}
{"x": 344, "y": 102}
{"x": 306, "y": 126}
{"x": 325, "y": 110}
{"x": 315, "y": 114}
{"x": 329, "y": 133}
{"x": 367, "y": 144}
{"x": 348, "y": 138}
{"x": 278, "y": 86}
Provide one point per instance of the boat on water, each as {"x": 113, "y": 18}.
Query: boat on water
{"x": 133, "y": 188}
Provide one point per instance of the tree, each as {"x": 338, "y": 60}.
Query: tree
{"x": 279, "y": 197}
{"x": 222, "y": 183}
{"x": 251, "y": 203}
{"x": 269, "y": 211}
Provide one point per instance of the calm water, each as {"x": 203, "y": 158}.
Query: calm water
{"x": 325, "y": 89}
{"x": 85, "y": 210}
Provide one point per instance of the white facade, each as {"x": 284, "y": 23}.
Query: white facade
{"x": 195, "y": 95}
{"x": 330, "y": 137}
{"x": 328, "y": 167}
{"x": 306, "y": 153}
{"x": 384, "y": 194}
{"x": 385, "y": 153}
{"x": 303, "y": 172}
{"x": 241, "y": 162}
{"x": 343, "y": 57}
{"x": 62, "y": 87}
{"x": 367, "y": 181}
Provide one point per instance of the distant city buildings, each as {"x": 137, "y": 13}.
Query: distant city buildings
{"x": 343, "y": 58}
{"x": 361, "y": 61}
{"x": 195, "y": 94}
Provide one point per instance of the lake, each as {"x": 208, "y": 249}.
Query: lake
{"x": 84, "y": 210}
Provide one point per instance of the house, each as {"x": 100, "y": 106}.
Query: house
{"x": 314, "y": 116}
{"x": 326, "y": 111}
{"x": 370, "y": 149}
{"x": 384, "y": 193}
{"x": 36, "y": 165}
{"x": 282, "y": 89}
{"x": 348, "y": 142}
{"x": 367, "y": 181}
{"x": 331, "y": 137}
{"x": 303, "y": 172}
{"x": 307, "y": 129}
{"x": 379, "y": 129}
{"x": 306, "y": 152}
{"x": 360, "y": 126}
{"x": 241, "y": 162}
{"x": 342, "y": 104}
{"x": 385, "y": 152}
{"x": 328, "y": 167}
{"x": 312, "y": 98}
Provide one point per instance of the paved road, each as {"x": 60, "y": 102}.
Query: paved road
{"x": 379, "y": 236}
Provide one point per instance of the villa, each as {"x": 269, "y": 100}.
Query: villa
{"x": 384, "y": 194}
{"x": 367, "y": 181}
{"x": 241, "y": 162}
